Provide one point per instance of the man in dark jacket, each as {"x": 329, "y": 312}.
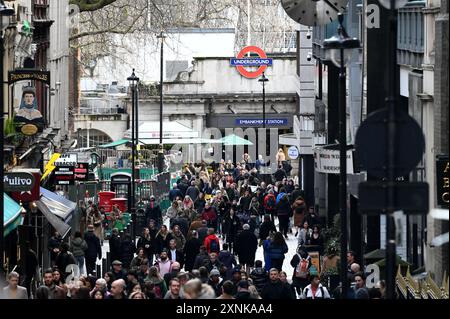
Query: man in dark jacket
{"x": 183, "y": 185}
{"x": 153, "y": 211}
{"x": 174, "y": 192}
{"x": 228, "y": 260}
{"x": 280, "y": 174}
{"x": 275, "y": 289}
{"x": 259, "y": 276}
{"x": 64, "y": 259}
{"x": 203, "y": 231}
{"x": 191, "y": 250}
{"x": 265, "y": 228}
{"x": 192, "y": 191}
{"x": 127, "y": 249}
{"x": 201, "y": 258}
{"x": 246, "y": 245}
{"x": 114, "y": 245}
{"x": 93, "y": 251}
{"x": 242, "y": 291}
{"x": 53, "y": 246}
{"x": 31, "y": 264}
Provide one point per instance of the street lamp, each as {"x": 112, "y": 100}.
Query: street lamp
{"x": 339, "y": 48}
{"x": 161, "y": 148}
{"x": 5, "y": 13}
{"x": 263, "y": 80}
{"x": 133, "y": 80}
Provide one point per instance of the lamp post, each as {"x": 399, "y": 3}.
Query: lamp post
{"x": 5, "y": 13}
{"x": 391, "y": 102}
{"x": 263, "y": 80}
{"x": 161, "y": 148}
{"x": 133, "y": 80}
{"x": 339, "y": 49}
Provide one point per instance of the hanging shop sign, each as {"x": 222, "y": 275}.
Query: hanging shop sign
{"x": 18, "y": 182}
{"x": 327, "y": 161}
{"x": 28, "y": 75}
{"x": 442, "y": 168}
{"x": 81, "y": 172}
{"x": 64, "y": 175}
{"x": 27, "y": 194}
{"x": 241, "y": 62}
{"x": 68, "y": 159}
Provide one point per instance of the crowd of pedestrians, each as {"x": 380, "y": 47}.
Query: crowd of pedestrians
{"x": 218, "y": 218}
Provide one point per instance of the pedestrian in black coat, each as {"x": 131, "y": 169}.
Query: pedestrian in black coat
{"x": 191, "y": 250}
{"x": 246, "y": 245}
{"x": 259, "y": 276}
{"x": 114, "y": 245}
{"x": 93, "y": 251}
{"x": 145, "y": 242}
{"x": 275, "y": 289}
{"x": 228, "y": 260}
{"x": 153, "y": 211}
{"x": 283, "y": 212}
{"x": 231, "y": 225}
{"x": 53, "y": 246}
{"x": 265, "y": 228}
{"x": 201, "y": 258}
{"x": 127, "y": 250}
{"x": 192, "y": 191}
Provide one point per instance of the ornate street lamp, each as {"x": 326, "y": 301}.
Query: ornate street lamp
{"x": 133, "y": 80}
{"x": 263, "y": 80}
{"x": 339, "y": 49}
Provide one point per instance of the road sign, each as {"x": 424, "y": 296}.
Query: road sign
{"x": 371, "y": 144}
{"x": 18, "y": 182}
{"x": 240, "y": 62}
{"x": 411, "y": 197}
{"x": 293, "y": 152}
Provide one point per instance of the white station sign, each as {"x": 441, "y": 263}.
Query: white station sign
{"x": 293, "y": 152}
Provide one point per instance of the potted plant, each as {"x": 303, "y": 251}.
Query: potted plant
{"x": 330, "y": 267}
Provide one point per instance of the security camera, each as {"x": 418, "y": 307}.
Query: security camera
{"x": 308, "y": 34}
{"x": 309, "y": 56}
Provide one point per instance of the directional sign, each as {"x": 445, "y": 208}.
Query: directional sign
{"x": 64, "y": 175}
{"x": 293, "y": 152}
{"x": 240, "y": 62}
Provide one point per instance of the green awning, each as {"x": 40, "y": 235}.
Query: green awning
{"x": 12, "y": 216}
{"x": 114, "y": 144}
{"x": 234, "y": 140}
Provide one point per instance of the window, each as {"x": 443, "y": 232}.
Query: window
{"x": 94, "y": 136}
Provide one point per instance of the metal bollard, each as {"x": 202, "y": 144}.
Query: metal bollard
{"x": 97, "y": 271}
{"x": 104, "y": 267}
{"x": 108, "y": 260}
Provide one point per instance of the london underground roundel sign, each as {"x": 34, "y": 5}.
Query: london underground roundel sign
{"x": 241, "y": 62}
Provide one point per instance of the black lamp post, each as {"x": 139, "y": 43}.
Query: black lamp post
{"x": 133, "y": 80}
{"x": 391, "y": 102}
{"x": 5, "y": 13}
{"x": 161, "y": 147}
{"x": 339, "y": 48}
{"x": 263, "y": 80}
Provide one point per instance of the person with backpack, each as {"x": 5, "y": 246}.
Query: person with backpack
{"x": 78, "y": 246}
{"x": 212, "y": 243}
{"x": 301, "y": 262}
{"x": 315, "y": 290}
{"x": 270, "y": 204}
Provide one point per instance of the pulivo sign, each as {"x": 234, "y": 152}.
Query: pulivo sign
{"x": 442, "y": 168}
{"x": 18, "y": 182}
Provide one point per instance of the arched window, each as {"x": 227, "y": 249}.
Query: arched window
{"x": 92, "y": 138}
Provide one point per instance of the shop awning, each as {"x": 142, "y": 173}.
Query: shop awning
{"x": 60, "y": 226}
{"x": 234, "y": 140}
{"x": 114, "y": 144}
{"x": 12, "y": 214}
{"x": 149, "y": 130}
{"x": 58, "y": 205}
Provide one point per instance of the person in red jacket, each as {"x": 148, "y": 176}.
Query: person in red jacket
{"x": 270, "y": 204}
{"x": 210, "y": 215}
{"x": 212, "y": 243}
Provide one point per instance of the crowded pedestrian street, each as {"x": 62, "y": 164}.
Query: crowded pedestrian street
{"x": 266, "y": 152}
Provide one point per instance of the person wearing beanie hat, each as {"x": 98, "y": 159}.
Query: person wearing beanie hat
{"x": 215, "y": 281}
